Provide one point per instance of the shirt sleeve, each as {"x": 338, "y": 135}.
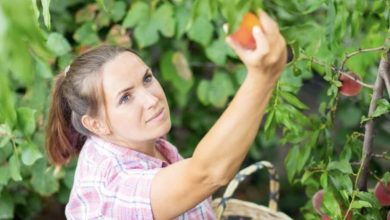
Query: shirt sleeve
{"x": 126, "y": 194}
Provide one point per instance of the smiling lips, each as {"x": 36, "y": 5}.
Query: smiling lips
{"x": 159, "y": 114}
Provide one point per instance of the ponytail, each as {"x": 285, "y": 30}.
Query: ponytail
{"x": 62, "y": 140}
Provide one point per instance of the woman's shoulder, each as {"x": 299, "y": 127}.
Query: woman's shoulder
{"x": 169, "y": 150}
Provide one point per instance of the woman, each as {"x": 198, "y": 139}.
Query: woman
{"x": 108, "y": 108}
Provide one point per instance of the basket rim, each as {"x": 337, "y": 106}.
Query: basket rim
{"x": 249, "y": 206}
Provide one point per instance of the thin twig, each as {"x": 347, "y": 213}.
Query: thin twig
{"x": 348, "y": 56}
{"x": 375, "y": 176}
{"x": 357, "y": 80}
{"x": 335, "y": 69}
{"x": 382, "y": 156}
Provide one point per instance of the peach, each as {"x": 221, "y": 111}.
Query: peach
{"x": 382, "y": 193}
{"x": 349, "y": 86}
{"x": 317, "y": 202}
{"x": 243, "y": 35}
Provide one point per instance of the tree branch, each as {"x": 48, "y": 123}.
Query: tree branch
{"x": 386, "y": 78}
{"x": 384, "y": 68}
{"x": 348, "y": 56}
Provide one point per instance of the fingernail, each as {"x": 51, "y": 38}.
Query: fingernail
{"x": 225, "y": 28}
{"x": 256, "y": 29}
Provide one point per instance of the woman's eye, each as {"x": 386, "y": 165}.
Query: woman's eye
{"x": 125, "y": 98}
{"x": 148, "y": 78}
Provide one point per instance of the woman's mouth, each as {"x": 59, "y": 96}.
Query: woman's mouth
{"x": 157, "y": 117}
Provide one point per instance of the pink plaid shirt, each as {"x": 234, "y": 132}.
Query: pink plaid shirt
{"x": 113, "y": 182}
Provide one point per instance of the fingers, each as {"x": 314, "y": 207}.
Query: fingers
{"x": 262, "y": 44}
{"x": 269, "y": 26}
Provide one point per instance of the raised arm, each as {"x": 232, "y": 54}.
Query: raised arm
{"x": 219, "y": 154}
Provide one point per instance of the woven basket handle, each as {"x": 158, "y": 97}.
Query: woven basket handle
{"x": 241, "y": 175}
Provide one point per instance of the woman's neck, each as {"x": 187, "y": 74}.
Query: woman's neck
{"x": 146, "y": 147}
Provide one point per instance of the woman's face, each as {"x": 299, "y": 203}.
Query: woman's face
{"x": 137, "y": 108}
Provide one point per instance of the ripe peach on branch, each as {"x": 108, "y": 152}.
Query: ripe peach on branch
{"x": 317, "y": 201}
{"x": 350, "y": 85}
{"x": 382, "y": 193}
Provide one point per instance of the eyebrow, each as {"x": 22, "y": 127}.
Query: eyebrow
{"x": 132, "y": 87}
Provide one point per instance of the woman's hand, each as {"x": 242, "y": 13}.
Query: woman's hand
{"x": 270, "y": 55}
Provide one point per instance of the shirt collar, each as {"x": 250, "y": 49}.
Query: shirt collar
{"x": 127, "y": 154}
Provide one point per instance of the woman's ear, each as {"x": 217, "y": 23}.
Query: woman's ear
{"x": 95, "y": 125}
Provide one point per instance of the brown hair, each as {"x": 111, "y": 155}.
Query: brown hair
{"x": 77, "y": 92}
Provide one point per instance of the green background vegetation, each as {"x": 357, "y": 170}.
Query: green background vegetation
{"x": 313, "y": 135}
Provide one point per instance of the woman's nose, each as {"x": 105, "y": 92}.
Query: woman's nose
{"x": 148, "y": 99}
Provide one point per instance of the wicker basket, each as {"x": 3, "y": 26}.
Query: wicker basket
{"x": 227, "y": 208}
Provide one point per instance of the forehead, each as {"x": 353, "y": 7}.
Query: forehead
{"x": 123, "y": 64}
{"x": 122, "y": 71}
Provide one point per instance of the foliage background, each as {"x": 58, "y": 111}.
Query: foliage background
{"x": 311, "y": 134}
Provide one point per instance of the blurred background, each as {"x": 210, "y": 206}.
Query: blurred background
{"x": 312, "y": 134}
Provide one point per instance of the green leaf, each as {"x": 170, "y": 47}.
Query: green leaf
{"x": 220, "y": 89}
{"x": 304, "y": 154}
{"x": 290, "y": 98}
{"x": 175, "y": 70}
{"x": 269, "y": 119}
{"x": 370, "y": 198}
{"x": 383, "y": 107}
{"x": 183, "y": 21}
{"x": 350, "y": 115}
{"x": 26, "y": 120}
{"x": 4, "y": 175}
{"x": 6, "y": 206}
{"x": 20, "y": 64}
{"x": 5, "y": 134}
{"x": 217, "y": 51}
{"x": 35, "y": 8}
{"x": 163, "y": 19}
{"x": 30, "y": 154}
{"x": 69, "y": 177}
{"x": 358, "y": 204}
{"x": 102, "y": 19}
{"x": 14, "y": 167}
{"x": 341, "y": 181}
{"x": 324, "y": 180}
{"x": 331, "y": 206}
{"x": 102, "y": 4}
{"x": 240, "y": 74}
{"x": 86, "y": 34}
{"x": 85, "y": 14}
{"x": 385, "y": 178}
{"x": 58, "y": 44}
{"x": 202, "y": 92}
{"x": 146, "y": 34}
{"x": 201, "y": 31}
{"x": 43, "y": 69}
{"x": 118, "y": 10}
{"x": 292, "y": 162}
{"x": 46, "y": 12}
{"x": 138, "y": 14}
{"x": 4, "y": 141}
{"x": 43, "y": 180}
{"x": 342, "y": 166}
